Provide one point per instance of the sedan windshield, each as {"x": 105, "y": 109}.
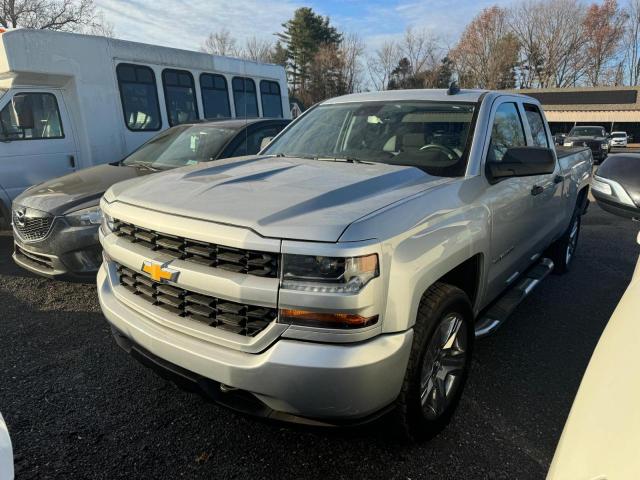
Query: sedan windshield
{"x": 619, "y": 135}
{"x": 180, "y": 146}
{"x": 586, "y": 132}
{"x": 431, "y": 136}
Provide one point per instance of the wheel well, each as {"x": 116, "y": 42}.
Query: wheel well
{"x": 583, "y": 200}
{"x": 466, "y": 277}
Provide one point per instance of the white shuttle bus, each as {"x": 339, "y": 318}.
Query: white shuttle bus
{"x": 71, "y": 101}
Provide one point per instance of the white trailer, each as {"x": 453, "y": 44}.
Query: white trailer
{"x": 70, "y": 101}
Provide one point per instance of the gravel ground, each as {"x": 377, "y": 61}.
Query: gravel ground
{"x": 78, "y": 407}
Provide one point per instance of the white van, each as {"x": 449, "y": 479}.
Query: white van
{"x": 71, "y": 101}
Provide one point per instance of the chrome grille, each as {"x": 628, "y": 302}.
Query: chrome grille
{"x": 31, "y": 226}
{"x": 238, "y": 318}
{"x": 251, "y": 262}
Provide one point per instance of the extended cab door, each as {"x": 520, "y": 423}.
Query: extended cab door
{"x": 515, "y": 217}
{"x": 547, "y": 197}
{"x": 36, "y": 139}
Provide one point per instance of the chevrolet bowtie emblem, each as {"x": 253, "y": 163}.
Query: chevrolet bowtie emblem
{"x": 159, "y": 271}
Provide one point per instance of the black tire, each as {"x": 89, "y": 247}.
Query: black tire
{"x": 416, "y": 421}
{"x": 563, "y": 250}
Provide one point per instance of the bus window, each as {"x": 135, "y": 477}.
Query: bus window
{"x": 180, "y": 96}
{"x": 244, "y": 97}
{"x": 215, "y": 97}
{"x": 271, "y": 100}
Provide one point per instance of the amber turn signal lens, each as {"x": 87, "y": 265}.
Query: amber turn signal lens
{"x": 325, "y": 320}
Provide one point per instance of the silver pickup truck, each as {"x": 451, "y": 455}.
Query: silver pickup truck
{"x": 345, "y": 271}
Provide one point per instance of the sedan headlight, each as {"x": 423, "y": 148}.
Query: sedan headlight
{"x": 85, "y": 217}
{"x": 108, "y": 224}
{"x": 328, "y": 274}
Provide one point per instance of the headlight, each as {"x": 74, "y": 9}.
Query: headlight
{"x": 568, "y": 144}
{"x": 328, "y": 274}
{"x": 107, "y": 224}
{"x": 85, "y": 217}
{"x": 604, "y": 145}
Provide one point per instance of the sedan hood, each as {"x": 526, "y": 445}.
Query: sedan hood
{"x": 76, "y": 190}
{"x": 277, "y": 197}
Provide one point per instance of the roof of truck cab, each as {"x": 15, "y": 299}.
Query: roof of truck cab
{"x": 438, "y": 95}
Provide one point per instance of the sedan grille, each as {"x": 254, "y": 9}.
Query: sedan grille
{"x": 251, "y": 262}
{"x": 238, "y": 318}
{"x": 31, "y": 227}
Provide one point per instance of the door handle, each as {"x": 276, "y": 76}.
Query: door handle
{"x": 72, "y": 161}
{"x": 537, "y": 190}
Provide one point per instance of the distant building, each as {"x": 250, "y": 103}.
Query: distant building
{"x": 615, "y": 108}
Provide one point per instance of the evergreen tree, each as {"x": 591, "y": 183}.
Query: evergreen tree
{"x": 303, "y": 36}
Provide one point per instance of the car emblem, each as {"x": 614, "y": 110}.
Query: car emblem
{"x": 20, "y": 217}
{"x": 159, "y": 271}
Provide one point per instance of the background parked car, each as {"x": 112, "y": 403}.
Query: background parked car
{"x": 6, "y": 452}
{"x": 55, "y": 223}
{"x": 590, "y": 136}
{"x": 558, "y": 138}
{"x": 619, "y": 139}
{"x": 616, "y": 185}
{"x": 602, "y": 433}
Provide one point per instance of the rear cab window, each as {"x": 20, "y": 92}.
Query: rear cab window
{"x": 139, "y": 97}
{"x": 536, "y": 125}
{"x": 31, "y": 116}
{"x": 179, "y": 96}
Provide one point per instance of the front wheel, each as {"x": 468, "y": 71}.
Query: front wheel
{"x": 439, "y": 362}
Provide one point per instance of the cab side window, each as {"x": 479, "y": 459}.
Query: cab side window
{"x": 536, "y": 124}
{"x": 507, "y": 131}
{"x": 31, "y": 116}
{"x": 139, "y": 96}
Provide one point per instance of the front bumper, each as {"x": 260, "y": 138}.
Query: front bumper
{"x": 319, "y": 381}
{"x": 72, "y": 253}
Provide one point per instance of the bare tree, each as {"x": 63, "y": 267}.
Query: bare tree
{"x": 552, "y": 40}
{"x": 351, "y": 51}
{"x": 62, "y": 15}
{"x": 221, "y": 43}
{"x": 258, "y": 50}
{"x": 605, "y": 24}
{"x": 631, "y": 42}
{"x": 422, "y": 49}
{"x": 382, "y": 63}
{"x": 487, "y": 52}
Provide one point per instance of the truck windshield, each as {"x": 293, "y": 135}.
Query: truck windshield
{"x": 180, "y": 146}
{"x": 586, "y": 132}
{"x": 431, "y": 136}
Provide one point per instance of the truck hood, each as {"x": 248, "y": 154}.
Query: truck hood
{"x": 288, "y": 198}
{"x": 77, "y": 190}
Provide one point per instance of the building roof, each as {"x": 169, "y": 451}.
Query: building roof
{"x": 587, "y": 99}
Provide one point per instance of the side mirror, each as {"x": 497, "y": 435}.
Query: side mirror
{"x": 265, "y": 141}
{"x": 522, "y": 162}
{"x": 616, "y": 186}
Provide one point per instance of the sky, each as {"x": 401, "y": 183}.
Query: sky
{"x": 186, "y": 23}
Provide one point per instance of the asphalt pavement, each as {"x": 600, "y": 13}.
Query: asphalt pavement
{"x": 78, "y": 407}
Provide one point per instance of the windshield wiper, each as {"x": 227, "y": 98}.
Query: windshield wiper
{"x": 346, "y": 158}
{"x": 144, "y": 166}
